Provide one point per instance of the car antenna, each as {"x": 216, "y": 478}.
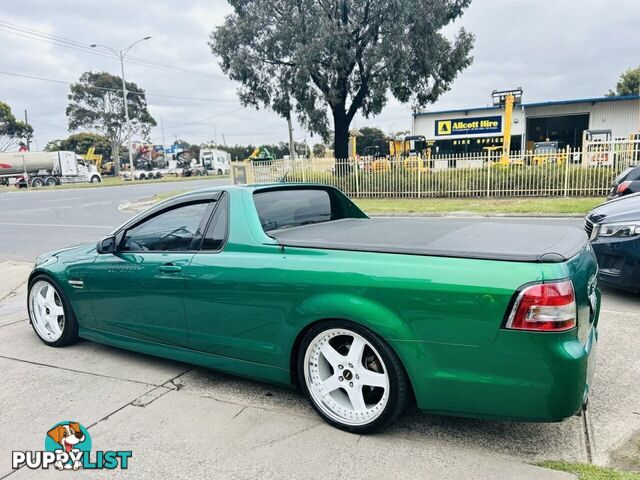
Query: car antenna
{"x": 284, "y": 177}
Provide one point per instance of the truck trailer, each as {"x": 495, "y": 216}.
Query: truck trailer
{"x": 39, "y": 169}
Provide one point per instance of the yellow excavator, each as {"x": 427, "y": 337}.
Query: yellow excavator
{"x": 507, "y": 99}
{"x": 414, "y": 151}
{"x": 92, "y": 156}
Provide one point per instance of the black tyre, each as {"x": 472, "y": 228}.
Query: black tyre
{"x": 50, "y": 312}
{"x": 96, "y": 179}
{"x": 37, "y": 182}
{"x": 50, "y": 182}
{"x": 351, "y": 377}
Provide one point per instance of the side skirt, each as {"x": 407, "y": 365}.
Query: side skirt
{"x": 242, "y": 368}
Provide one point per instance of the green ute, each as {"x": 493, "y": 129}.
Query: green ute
{"x": 293, "y": 284}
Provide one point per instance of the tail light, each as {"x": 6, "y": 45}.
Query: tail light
{"x": 623, "y": 186}
{"x": 544, "y": 307}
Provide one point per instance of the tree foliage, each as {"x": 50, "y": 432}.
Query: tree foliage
{"x": 12, "y": 131}
{"x": 372, "y": 142}
{"x": 340, "y": 56}
{"x": 628, "y": 84}
{"x": 96, "y": 103}
{"x": 319, "y": 150}
{"x": 81, "y": 142}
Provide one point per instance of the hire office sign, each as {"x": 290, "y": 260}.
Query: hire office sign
{"x": 468, "y": 126}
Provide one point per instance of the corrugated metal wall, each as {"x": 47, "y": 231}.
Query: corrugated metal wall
{"x": 622, "y": 117}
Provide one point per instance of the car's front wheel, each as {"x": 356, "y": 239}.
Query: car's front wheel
{"x": 50, "y": 313}
{"x": 352, "y": 377}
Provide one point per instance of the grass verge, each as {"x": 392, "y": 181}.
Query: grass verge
{"x": 586, "y": 471}
{"x": 485, "y": 206}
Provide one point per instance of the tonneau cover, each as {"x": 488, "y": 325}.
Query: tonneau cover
{"x": 488, "y": 240}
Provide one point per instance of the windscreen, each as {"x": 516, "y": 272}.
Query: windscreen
{"x": 287, "y": 208}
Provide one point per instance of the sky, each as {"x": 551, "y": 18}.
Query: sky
{"x": 553, "y": 49}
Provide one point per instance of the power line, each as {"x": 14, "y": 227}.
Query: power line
{"x": 202, "y": 120}
{"x": 64, "y": 82}
{"x": 21, "y": 31}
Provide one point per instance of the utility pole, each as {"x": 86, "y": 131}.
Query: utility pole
{"x": 122, "y": 54}
{"x": 224, "y": 141}
{"x": 26, "y": 121}
{"x": 292, "y": 149}
{"x": 126, "y": 115}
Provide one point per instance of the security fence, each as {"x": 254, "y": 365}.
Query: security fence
{"x": 568, "y": 172}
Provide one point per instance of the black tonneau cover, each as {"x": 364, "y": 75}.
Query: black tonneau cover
{"x": 488, "y": 240}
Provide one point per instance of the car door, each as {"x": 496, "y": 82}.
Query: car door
{"x": 138, "y": 290}
{"x": 238, "y": 297}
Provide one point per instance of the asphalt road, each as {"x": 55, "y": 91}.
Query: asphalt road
{"x": 37, "y": 221}
{"x": 33, "y": 222}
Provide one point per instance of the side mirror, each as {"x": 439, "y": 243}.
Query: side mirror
{"x": 107, "y": 245}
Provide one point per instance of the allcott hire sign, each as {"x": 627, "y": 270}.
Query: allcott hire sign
{"x": 467, "y": 126}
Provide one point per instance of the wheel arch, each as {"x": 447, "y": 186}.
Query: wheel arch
{"x": 50, "y": 276}
{"x": 340, "y": 307}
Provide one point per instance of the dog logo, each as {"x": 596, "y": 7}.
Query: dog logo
{"x": 68, "y": 446}
{"x": 68, "y": 437}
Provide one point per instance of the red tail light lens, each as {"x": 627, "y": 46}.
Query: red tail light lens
{"x": 545, "y": 307}
{"x": 623, "y": 186}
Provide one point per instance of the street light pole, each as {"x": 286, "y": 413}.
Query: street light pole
{"x": 122, "y": 54}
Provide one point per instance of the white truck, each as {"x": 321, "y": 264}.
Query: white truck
{"x": 39, "y": 169}
{"x": 214, "y": 162}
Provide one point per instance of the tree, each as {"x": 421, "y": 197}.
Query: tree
{"x": 341, "y": 56}
{"x": 12, "y": 131}
{"x": 372, "y": 141}
{"x": 628, "y": 84}
{"x": 319, "y": 150}
{"x": 80, "y": 143}
{"x": 96, "y": 103}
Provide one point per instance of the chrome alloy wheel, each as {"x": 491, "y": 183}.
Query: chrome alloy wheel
{"x": 346, "y": 377}
{"x": 46, "y": 311}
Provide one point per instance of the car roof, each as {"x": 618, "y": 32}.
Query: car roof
{"x": 251, "y": 187}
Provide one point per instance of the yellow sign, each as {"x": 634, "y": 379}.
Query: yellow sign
{"x": 444, "y": 127}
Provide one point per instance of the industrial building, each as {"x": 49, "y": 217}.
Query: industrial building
{"x": 565, "y": 121}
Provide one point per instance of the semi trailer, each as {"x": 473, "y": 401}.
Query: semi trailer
{"x": 39, "y": 169}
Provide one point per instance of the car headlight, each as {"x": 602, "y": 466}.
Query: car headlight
{"x": 619, "y": 229}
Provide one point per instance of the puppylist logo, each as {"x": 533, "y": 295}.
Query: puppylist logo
{"x": 67, "y": 446}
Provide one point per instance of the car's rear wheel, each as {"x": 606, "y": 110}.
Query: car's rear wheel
{"x": 50, "y": 313}
{"x": 351, "y": 377}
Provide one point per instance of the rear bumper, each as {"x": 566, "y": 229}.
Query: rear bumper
{"x": 542, "y": 377}
{"x": 619, "y": 262}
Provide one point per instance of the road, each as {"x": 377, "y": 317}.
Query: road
{"x": 36, "y": 221}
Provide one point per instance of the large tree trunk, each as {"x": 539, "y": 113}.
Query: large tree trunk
{"x": 115, "y": 157}
{"x": 341, "y": 141}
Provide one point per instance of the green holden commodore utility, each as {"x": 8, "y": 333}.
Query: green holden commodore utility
{"x": 293, "y": 284}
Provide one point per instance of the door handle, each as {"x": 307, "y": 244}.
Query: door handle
{"x": 169, "y": 268}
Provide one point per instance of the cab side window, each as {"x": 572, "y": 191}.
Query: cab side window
{"x": 170, "y": 231}
{"x": 216, "y": 233}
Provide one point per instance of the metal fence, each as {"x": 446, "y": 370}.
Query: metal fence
{"x": 568, "y": 172}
